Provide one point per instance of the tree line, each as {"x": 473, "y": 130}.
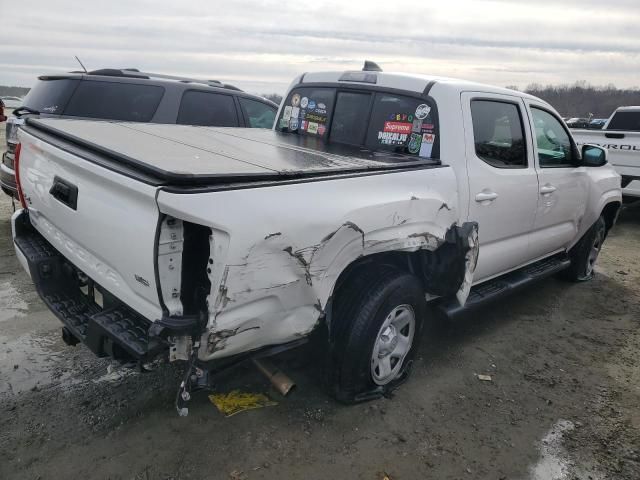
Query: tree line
{"x": 583, "y": 100}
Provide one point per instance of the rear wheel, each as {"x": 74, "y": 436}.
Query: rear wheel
{"x": 377, "y": 320}
{"x": 585, "y": 253}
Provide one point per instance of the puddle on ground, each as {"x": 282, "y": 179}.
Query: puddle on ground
{"x": 12, "y": 302}
{"x": 30, "y": 360}
{"x": 555, "y": 463}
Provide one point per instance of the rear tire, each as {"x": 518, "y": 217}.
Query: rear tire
{"x": 584, "y": 254}
{"x": 377, "y": 320}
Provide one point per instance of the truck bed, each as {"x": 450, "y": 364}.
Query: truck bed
{"x": 180, "y": 154}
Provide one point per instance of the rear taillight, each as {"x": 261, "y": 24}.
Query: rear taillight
{"x": 16, "y": 169}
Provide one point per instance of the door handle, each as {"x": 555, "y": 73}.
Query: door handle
{"x": 547, "y": 189}
{"x": 486, "y": 196}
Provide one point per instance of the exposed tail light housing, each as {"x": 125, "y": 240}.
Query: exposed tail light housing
{"x": 16, "y": 169}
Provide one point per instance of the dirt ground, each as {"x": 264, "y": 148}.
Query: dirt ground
{"x": 562, "y": 403}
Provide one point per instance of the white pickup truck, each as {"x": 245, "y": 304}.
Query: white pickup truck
{"x": 359, "y": 211}
{"x": 620, "y": 135}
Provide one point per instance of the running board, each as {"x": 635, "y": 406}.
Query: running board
{"x": 506, "y": 284}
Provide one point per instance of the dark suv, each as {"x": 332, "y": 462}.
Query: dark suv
{"x": 134, "y": 96}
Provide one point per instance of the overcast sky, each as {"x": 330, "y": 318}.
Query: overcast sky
{"x": 260, "y": 46}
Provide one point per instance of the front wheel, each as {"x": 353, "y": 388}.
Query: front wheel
{"x": 584, "y": 254}
{"x": 377, "y": 321}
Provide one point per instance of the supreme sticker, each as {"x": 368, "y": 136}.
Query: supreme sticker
{"x": 397, "y": 127}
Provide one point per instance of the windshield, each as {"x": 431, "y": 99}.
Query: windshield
{"x": 377, "y": 121}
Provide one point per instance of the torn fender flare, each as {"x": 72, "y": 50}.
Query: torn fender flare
{"x": 449, "y": 270}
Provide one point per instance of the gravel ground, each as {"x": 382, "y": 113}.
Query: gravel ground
{"x": 562, "y": 401}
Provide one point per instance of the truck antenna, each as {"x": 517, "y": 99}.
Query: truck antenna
{"x": 85, "y": 70}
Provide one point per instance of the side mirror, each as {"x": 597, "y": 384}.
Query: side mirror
{"x": 593, "y": 156}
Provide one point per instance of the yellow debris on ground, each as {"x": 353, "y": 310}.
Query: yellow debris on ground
{"x": 236, "y": 401}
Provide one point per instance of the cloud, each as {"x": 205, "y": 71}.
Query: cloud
{"x": 261, "y": 45}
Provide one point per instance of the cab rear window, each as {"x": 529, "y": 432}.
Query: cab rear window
{"x": 376, "y": 121}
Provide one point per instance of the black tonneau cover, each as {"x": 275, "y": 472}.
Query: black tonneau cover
{"x": 184, "y": 154}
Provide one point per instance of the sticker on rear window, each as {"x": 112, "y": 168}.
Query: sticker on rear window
{"x": 390, "y": 138}
{"x": 426, "y": 147}
{"x": 422, "y": 111}
{"x": 295, "y": 100}
{"x": 304, "y": 102}
{"x": 414, "y": 143}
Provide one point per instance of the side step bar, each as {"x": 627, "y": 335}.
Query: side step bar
{"x": 506, "y": 284}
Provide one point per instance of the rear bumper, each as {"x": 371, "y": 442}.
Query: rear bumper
{"x": 111, "y": 329}
{"x": 7, "y": 176}
{"x": 630, "y": 186}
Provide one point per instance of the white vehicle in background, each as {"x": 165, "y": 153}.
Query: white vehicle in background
{"x": 12, "y": 102}
{"x": 365, "y": 201}
{"x": 621, "y": 137}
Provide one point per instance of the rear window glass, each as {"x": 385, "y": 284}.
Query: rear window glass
{"x": 349, "y": 119}
{"x": 306, "y": 111}
{"x": 629, "y": 121}
{"x": 115, "y": 101}
{"x": 50, "y": 96}
{"x": 374, "y": 120}
{"x": 403, "y": 125}
{"x": 207, "y": 109}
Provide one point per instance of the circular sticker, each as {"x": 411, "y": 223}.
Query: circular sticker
{"x": 414, "y": 143}
{"x": 304, "y": 102}
{"x": 423, "y": 111}
{"x": 293, "y": 123}
{"x": 295, "y": 100}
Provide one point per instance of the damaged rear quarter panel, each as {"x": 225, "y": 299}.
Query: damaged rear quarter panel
{"x": 279, "y": 250}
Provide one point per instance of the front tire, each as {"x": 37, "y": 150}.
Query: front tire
{"x": 584, "y": 254}
{"x": 376, "y": 324}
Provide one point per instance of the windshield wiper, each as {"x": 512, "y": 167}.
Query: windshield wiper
{"x": 24, "y": 110}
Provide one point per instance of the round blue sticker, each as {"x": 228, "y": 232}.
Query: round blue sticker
{"x": 312, "y": 105}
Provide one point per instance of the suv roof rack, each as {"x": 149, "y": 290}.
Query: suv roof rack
{"x": 135, "y": 73}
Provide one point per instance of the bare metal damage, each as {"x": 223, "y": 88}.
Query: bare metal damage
{"x": 278, "y": 290}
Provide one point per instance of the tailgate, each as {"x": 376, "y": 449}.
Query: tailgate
{"x": 623, "y": 148}
{"x": 101, "y": 221}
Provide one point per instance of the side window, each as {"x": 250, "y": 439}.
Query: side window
{"x": 207, "y": 109}
{"x": 553, "y": 141}
{"x": 260, "y": 115}
{"x": 306, "y": 111}
{"x": 403, "y": 125}
{"x": 625, "y": 121}
{"x": 115, "y": 101}
{"x": 498, "y": 133}
{"x": 350, "y": 118}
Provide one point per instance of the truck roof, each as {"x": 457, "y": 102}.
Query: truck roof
{"x": 410, "y": 81}
{"x": 183, "y": 154}
{"x": 631, "y": 108}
